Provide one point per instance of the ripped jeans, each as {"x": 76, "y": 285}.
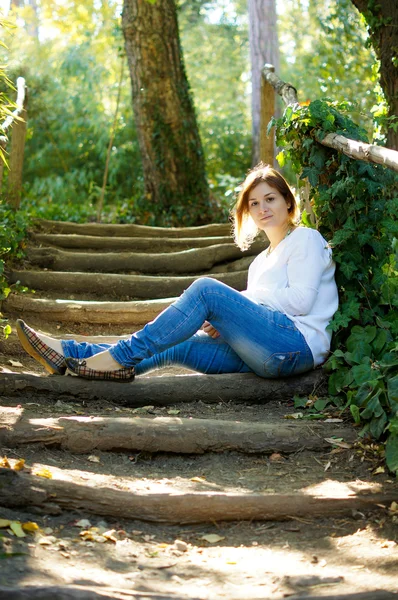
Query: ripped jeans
{"x": 253, "y": 338}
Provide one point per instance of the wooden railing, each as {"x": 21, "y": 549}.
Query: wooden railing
{"x": 16, "y": 122}
{"x": 352, "y": 148}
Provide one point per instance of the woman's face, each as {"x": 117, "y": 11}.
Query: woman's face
{"x": 268, "y": 208}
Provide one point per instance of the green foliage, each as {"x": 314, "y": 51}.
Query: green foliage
{"x": 356, "y": 206}
{"x": 13, "y": 231}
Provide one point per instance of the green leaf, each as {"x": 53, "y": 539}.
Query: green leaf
{"x": 300, "y": 402}
{"x": 355, "y": 413}
{"x": 392, "y": 389}
{"x": 361, "y": 374}
{"x": 378, "y": 425}
{"x": 321, "y": 403}
{"x": 373, "y": 407}
{"x": 392, "y": 453}
{"x": 393, "y": 426}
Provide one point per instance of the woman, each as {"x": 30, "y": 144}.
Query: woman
{"x": 276, "y": 328}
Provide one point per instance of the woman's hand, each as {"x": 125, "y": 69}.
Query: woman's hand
{"x": 209, "y": 329}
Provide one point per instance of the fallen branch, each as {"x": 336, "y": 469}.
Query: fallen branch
{"x": 18, "y": 489}
{"x": 163, "y": 391}
{"x": 352, "y": 148}
{"x": 116, "y": 285}
{"x": 106, "y": 230}
{"x": 168, "y": 434}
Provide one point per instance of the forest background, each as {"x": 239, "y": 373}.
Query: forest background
{"x": 71, "y": 55}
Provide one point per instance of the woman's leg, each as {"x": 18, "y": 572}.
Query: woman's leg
{"x": 200, "y": 353}
{"x": 267, "y": 341}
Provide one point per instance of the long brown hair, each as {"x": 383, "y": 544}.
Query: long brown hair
{"x": 244, "y": 228}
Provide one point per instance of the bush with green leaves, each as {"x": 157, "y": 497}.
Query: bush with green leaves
{"x": 13, "y": 231}
{"x": 356, "y": 208}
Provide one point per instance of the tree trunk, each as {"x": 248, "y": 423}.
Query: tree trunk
{"x": 382, "y": 20}
{"x": 171, "y": 150}
{"x": 264, "y": 48}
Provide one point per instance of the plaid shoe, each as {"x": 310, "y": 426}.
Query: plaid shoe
{"x": 79, "y": 368}
{"x": 52, "y": 361}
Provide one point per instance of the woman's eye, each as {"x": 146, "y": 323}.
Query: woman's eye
{"x": 271, "y": 198}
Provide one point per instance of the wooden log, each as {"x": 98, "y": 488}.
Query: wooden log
{"x": 115, "y": 285}
{"x": 352, "y": 148}
{"x": 169, "y": 434}
{"x": 242, "y": 264}
{"x": 163, "y": 391}
{"x": 361, "y": 150}
{"x": 55, "y": 592}
{"x": 151, "y": 245}
{"x": 194, "y": 260}
{"x": 18, "y": 489}
{"x": 138, "y": 312}
{"x": 108, "y": 230}
{"x": 78, "y": 593}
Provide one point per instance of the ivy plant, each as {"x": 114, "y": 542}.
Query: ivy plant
{"x": 356, "y": 209}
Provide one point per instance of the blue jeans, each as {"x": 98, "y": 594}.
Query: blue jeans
{"x": 253, "y": 338}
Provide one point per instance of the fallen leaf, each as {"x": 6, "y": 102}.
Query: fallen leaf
{"x": 276, "y": 457}
{"x": 328, "y": 465}
{"x": 338, "y": 442}
{"x": 298, "y": 415}
{"x": 46, "y": 473}
{"x": 333, "y": 420}
{"x": 93, "y": 458}
{"x": 379, "y": 470}
{"x": 30, "y": 526}
{"x": 110, "y": 535}
{"x": 198, "y": 479}
{"x": 15, "y": 363}
{"x": 16, "y": 528}
{"x": 394, "y": 507}
{"x": 212, "y": 538}
{"x": 47, "y": 540}
{"x": 4, "y": 463}
{"x": 5, "y": 523}
{"x": 19, "y": 465}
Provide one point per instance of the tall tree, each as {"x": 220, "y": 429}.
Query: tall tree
{"x": 382, "y": 21}
{"x": 171, "y": 149}
{"x": 263, "y": 37}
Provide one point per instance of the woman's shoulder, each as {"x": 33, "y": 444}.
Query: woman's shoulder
{"x": 305, "y": 236}
{"x": 307, "y": 233}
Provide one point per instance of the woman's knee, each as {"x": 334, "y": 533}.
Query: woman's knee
{"x": 204, "y": 284}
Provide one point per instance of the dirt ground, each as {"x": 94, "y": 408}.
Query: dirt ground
{"x": 274, "y": 560}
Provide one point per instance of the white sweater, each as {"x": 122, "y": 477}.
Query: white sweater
{"x": 297, "y": 279}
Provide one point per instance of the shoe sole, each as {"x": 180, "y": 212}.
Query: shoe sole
{"x": 27, "y": 346}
